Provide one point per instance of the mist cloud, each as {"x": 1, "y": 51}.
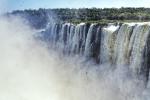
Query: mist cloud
{"x": 31, "y": 71}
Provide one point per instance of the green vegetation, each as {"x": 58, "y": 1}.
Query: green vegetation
{"x": 88, "y": 15}
{"x": 106, "y": 14}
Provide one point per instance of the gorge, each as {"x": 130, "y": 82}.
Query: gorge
{"x": 47, "y": 58}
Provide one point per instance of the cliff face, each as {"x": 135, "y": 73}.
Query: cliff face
{"x": 121, "y": 45}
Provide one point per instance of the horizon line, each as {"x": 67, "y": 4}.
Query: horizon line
{"x": 78, "y": 8}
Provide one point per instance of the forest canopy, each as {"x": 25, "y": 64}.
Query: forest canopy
{"x": 39, "y": 18}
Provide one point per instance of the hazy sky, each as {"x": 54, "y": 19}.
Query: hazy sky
{"x": 26, "y": 4}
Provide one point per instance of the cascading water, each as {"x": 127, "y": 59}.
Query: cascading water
{"x": 138, "y": 42}
{"x": 126, "y": 45}
{"x": 122, "y": 45}
{"x": 77, "y": 62}
{"x": 92, "y": 46}
{"x": 108, "y": 37}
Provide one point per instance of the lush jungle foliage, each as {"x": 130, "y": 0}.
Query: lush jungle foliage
{"x": 39, "y": 18}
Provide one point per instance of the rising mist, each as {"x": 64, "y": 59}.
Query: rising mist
{"x": 31, "y": 71}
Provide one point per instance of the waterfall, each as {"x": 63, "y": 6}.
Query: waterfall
{"x": 92, "y": 41}
{"x": 108, "y": 38}
{"x": 121, "y": 45}
{"x": 138, "y": 45}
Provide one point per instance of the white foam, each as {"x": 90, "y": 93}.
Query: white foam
{"x": 137, "y": 23}
{"x": 82, "y": 24}
{"x": 111, "y": 28}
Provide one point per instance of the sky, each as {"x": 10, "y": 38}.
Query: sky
{"x": 35, "y": 4}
